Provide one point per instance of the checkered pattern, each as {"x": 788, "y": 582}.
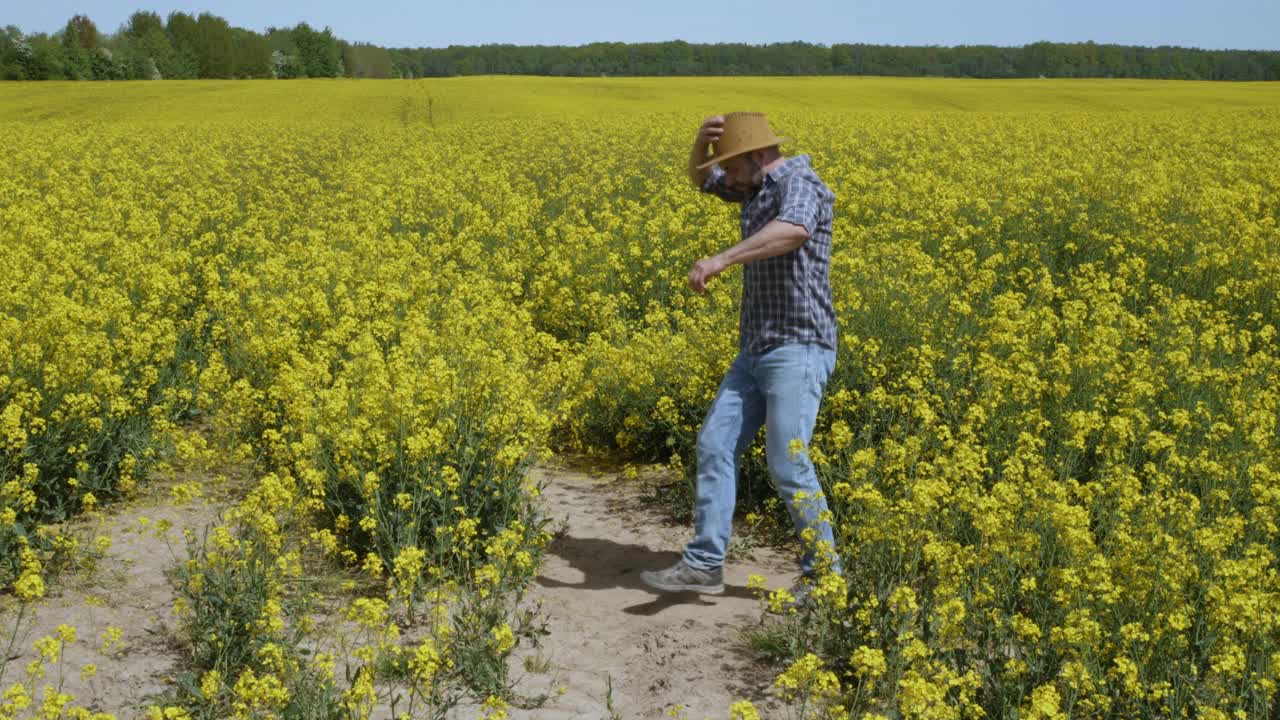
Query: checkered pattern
{"x": 787, "y": 297}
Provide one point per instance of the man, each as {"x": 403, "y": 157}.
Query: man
{"x": 786, "y": 343}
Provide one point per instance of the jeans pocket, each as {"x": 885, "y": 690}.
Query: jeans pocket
{"x": 819, "y": 366}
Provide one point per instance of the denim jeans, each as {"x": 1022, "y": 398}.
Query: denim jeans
{"x": 781, "y": 389}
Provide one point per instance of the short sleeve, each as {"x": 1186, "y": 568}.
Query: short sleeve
{"x": 716, "y": 184}
{"x": 801, "y": 202}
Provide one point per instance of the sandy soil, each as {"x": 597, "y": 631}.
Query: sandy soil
{"x": 608, "y": 627}
{"x": 128, "y": 589}
{"x": 619, "y": 650}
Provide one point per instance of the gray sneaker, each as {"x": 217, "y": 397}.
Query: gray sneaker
{"x": 683, "y": 578}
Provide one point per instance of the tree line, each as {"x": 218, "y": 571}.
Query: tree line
{"x": 207, "y": 46}
{"x": 184, "y": 46}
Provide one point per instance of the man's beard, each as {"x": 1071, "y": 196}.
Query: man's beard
{"x": 757, "y": 177}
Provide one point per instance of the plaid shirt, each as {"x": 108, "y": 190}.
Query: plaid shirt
{"x": 785, "y": 298}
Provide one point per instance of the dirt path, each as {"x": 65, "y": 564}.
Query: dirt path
{"x": 657, "y": 650}
{"x": 606, "y": 628}
{"x": 128, "y": 591}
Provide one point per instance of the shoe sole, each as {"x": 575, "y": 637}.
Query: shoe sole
{"x": 703, "y": 589}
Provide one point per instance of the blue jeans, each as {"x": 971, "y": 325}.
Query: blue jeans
{"x": 781, "y": 389}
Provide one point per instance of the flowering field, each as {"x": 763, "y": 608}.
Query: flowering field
{"x": 1050, "y": 443}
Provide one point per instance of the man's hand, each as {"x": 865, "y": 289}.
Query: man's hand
{"x": 711, "y": 130}
{"x": 705, "y": 269}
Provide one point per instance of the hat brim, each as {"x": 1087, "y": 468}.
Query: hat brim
{"x": 740, "y": 151}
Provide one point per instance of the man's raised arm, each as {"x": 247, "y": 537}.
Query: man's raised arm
{"x": 710, "y": 131}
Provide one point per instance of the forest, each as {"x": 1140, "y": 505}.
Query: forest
{"x": 186, "y": 46}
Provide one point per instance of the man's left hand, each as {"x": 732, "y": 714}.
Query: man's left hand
{"x": 703, "y": 270}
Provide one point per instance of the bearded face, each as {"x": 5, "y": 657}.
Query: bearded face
{"x": 743, "y": 172}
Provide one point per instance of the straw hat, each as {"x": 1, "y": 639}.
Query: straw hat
{"x": 743, "y": 132}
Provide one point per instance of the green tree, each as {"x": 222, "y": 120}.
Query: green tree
{"x": 367, "y": 61}
{"x": 81, "y": 31}
{"x": 285, "y": 62}
{"x": 317, "y": 51}
{"x": 47, "y": 59}
{"x": 184, "y": 38}
{"x": 80, "y": 40}
{"x": 214, "y": 47}
{"x": 252, "y": 54}
{"x": 143, "y": 46}
{"x": 15, "y": 54}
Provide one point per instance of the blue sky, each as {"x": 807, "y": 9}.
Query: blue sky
{"x": 1238, "y": 24}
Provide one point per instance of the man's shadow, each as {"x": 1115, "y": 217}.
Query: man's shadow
{"x": 605, "y": 564}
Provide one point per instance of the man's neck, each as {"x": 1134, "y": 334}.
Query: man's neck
{"x": 772, "y": 164}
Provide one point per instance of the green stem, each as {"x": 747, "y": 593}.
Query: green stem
{"x": 13, "y": 639}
